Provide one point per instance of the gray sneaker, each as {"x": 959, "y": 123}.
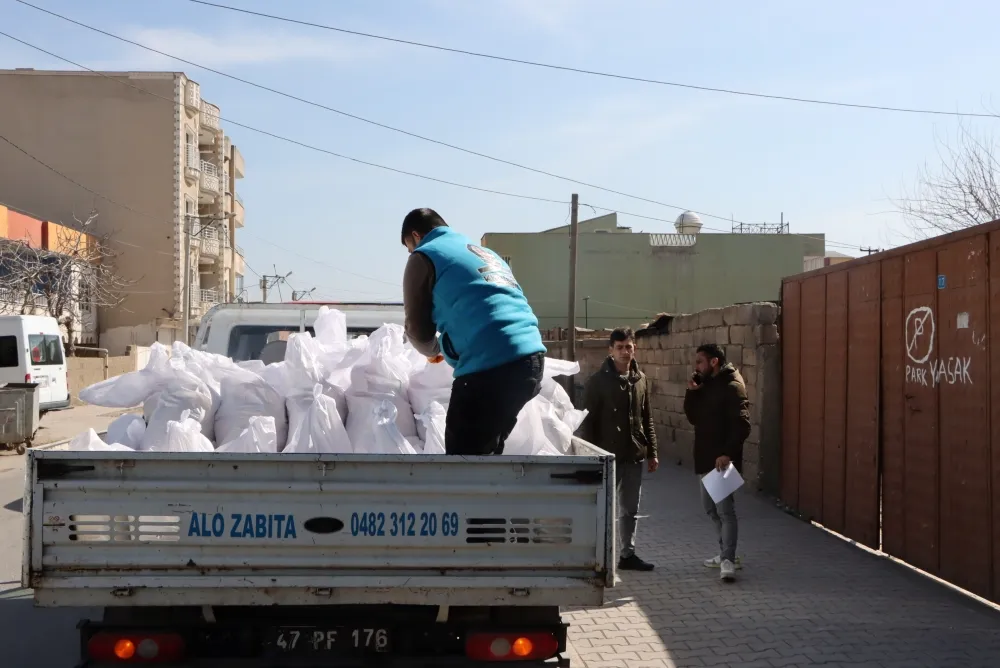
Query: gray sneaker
{"x": 716, "y": 561}
{"x": 727, "y": 571}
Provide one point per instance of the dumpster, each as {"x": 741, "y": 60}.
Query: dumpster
{"x": 18, "y": 415}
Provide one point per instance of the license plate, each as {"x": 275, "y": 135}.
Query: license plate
{"x": 340, "y": 640}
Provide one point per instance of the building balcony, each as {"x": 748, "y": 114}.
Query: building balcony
{"x": 210, "y": 116}
{"x": 192, "y": 98}
{"x": 208, "y": 241}
{"x": 211, "y": 184}
{"x": 192, "y": 164}
{"x": 238, "y": 210}
{"x": 239, "y": 166}
{"x": 209, "y": 298}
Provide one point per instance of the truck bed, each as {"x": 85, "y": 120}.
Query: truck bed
{"x": 166, "y": 529}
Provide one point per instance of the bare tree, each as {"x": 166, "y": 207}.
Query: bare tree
{"x": 963, "y": 191}
{"x": 68, "y": 281}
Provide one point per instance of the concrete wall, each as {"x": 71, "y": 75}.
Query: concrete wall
{"x": 628, "y": 281}
{"x": 749, "y": 335}
{"x": 115, "y": 140}
{"x": 85, "y": 371}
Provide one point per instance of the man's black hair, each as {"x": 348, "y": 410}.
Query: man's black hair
{"x": 621, "y": 334}
{"x": 421, "y": 221}
{"x": 711, "y": 350}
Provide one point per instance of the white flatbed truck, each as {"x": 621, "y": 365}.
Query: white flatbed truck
{"x": 228, "y": 560}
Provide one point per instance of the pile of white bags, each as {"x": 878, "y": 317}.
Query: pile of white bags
{"x": 330, "y": 395}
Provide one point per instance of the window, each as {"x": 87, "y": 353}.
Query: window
{"x": 46, "y": 349}
{"x": 246, "y": 342}
{"x": 8, "y": 352}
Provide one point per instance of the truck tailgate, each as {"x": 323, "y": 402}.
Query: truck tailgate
{"x": 153, "y": 529}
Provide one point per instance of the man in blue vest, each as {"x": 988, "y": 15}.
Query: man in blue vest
{"x": 463, "y": 305}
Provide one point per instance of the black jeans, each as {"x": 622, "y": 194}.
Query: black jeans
{"x": 484, "y": 405}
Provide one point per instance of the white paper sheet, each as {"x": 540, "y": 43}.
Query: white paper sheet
{"x": 720, "y": 485}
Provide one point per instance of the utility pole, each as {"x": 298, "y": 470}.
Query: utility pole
{"x": 574, "y": 232}
{"x": 586, "y": 312}
{"x": 870, "y": 250}
{"x": 269, "y": 281}
{"x": 299, "y": 295}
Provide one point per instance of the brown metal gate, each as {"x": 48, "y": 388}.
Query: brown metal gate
{"x": 889, "y": 433}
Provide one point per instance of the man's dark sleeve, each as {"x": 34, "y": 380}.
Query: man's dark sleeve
{"x": 590, "y": 428}
{"x": 652, "y": 451}
{"x": 737, "y": 420}
{"x": 691, "y": 400}
{"x": 418, "y": 304}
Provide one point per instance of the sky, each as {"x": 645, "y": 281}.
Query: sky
{"x": 335, "y": 223}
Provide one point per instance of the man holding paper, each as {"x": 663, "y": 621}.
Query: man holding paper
{"x": 716, "y": 404}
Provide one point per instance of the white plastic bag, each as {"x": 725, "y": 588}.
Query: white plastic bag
{"x": 434, "y": 421}
{"x": 362, "y": 405}
{"x": 243, "y": 401}
{"x": 556, "y": 367}
{"x": 89, "y": 441}
{"x": 318, "y": 429}
{"x": 387, "y": 439}
{"x": 330, "y": 327}
{"x": 127, "y": 430}
{"x": 183, "y": 435}
{"x": 562, "y": 404}
{"x": 168, "y": 405}
{"x": 259, "y": 437}
{"x": 432, "y": 384}
{"x": 530, "y": 436}
{"x": 131, "y": 389}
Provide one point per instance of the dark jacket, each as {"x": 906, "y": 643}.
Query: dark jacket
{"x": 619, "y": 419}
{"x": 720, "y": 413}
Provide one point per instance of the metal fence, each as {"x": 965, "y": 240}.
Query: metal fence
{"x": 891, "y": 426}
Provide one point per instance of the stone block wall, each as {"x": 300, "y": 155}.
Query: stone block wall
{"x": 749, "y": 335}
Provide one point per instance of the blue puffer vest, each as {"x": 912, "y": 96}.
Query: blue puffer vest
{"x": 480, "y": 311}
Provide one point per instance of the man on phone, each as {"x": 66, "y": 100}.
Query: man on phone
{"x": 488, "y": 332}
{"x": 716, "y": 404}
{"x": 620, "y": 421}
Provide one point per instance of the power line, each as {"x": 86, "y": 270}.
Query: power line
{"x": 595, "y": 73}
{"x": 152, "y": 217}
{"x": 362, "y": 119}
{"x": 273, "y": 135}
{"x": 174, "y": 103}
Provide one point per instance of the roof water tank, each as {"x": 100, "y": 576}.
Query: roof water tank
{"x": 688, "y": 223}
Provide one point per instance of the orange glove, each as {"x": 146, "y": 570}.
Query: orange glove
{"x": 437, "y": 359}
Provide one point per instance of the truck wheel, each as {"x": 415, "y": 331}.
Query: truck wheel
{"x": 20, "y": 448}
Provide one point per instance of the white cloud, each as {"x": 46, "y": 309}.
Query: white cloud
{"x": 235, "y": 48}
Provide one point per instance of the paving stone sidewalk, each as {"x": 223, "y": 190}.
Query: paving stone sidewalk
{"x": 804, "y": 598}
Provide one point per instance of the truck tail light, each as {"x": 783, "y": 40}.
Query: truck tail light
{"x": 138, "y": 647}
{"x": 27, "y": 378}
{"x": 511, "y": 646}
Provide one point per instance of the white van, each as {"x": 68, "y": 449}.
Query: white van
{"x": 244, "y": 331}
{"x": 31, "y": 351}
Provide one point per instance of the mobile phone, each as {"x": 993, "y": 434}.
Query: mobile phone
{"x": 696, "y": 378}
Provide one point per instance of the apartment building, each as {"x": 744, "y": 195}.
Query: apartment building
{"x": 150, "y": 155}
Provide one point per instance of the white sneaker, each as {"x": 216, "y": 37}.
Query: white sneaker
{"x": 716, "y": 561}
{"x": 727, "y": 571}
